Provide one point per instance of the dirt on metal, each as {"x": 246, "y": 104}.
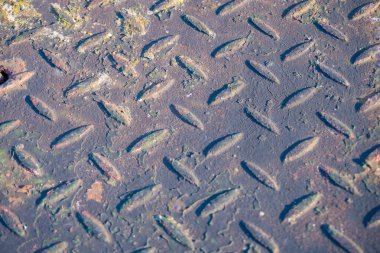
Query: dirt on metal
{"x": 189, "y": 126}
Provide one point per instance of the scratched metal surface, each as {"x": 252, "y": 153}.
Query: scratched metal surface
{"x": 242, "y": 193}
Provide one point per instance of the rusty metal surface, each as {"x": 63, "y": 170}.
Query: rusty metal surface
{"x": 179, "y": 126}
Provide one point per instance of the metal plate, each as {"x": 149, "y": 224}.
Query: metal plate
{"x": 206, "y": 126}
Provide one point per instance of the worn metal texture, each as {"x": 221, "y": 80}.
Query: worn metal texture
{"x": 189, "y": 126}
